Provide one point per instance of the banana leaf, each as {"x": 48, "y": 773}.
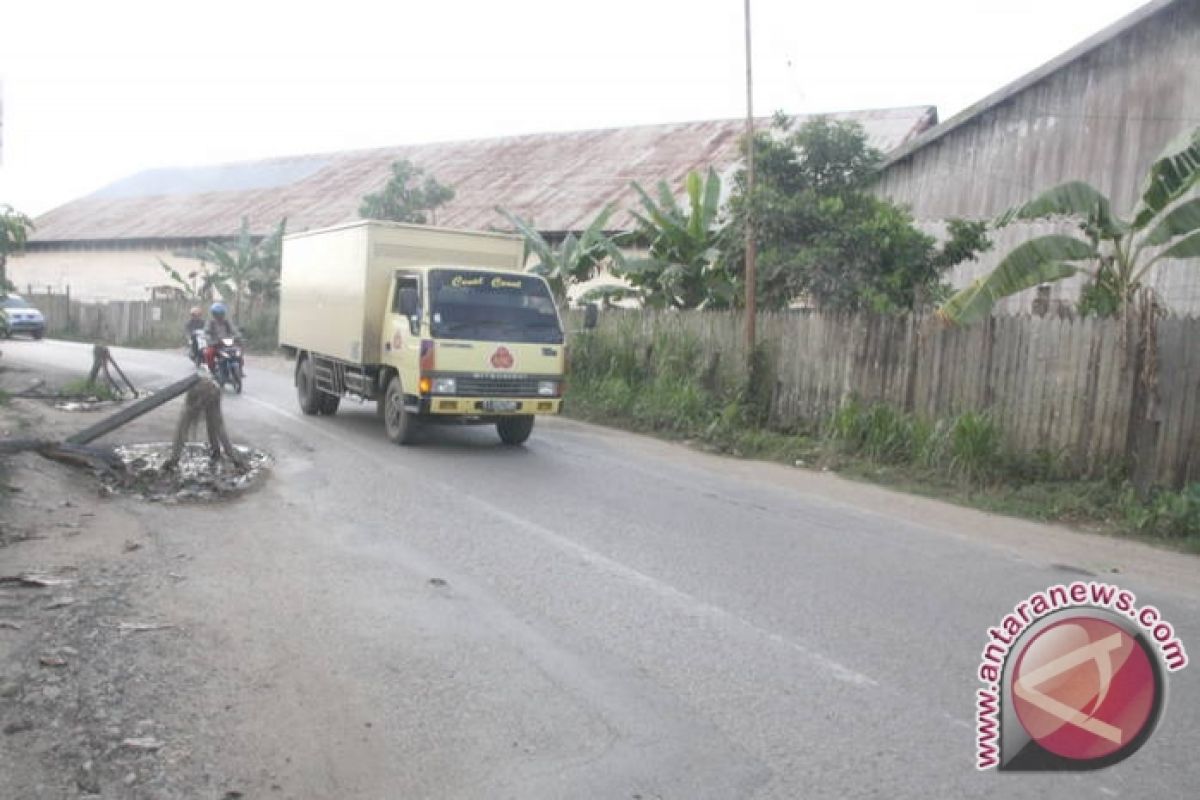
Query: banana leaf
{"x": 1183, "y": 219}
{"x": 1037, "y": 261}
{"x": 1171, "y": 176}
{"x": 533, "y": 239}
{"x": 1185, "y": 248}
{"x": 1073, "y": 199}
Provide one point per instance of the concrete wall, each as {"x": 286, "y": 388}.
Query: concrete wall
{"x": 1103, "y": 118}
{"x": 95, "y": 274}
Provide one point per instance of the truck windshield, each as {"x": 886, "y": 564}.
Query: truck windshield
{"x": 492, "y": 307}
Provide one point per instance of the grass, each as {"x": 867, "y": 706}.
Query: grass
{"x": 664, "y": 388}
{"x": 81, "y": 388}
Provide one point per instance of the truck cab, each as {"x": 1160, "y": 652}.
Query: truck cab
{"x": 471, "y": 345}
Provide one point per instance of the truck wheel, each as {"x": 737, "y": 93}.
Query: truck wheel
{"x": 401, "y": 425}
{"x": 306, "y": 387}
{"x": 514, "y": 430}
{"x": 327, "y": 404}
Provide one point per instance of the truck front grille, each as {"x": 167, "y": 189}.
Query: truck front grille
{"x": 498, "y": 386}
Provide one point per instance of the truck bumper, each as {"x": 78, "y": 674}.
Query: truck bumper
{"x": 491, "y": 407}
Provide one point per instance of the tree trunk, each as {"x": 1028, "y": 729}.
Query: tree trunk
{"x": 204, "y": 398}
{"x": 126, "y": 415}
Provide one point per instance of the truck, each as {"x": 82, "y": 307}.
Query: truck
{"x": 432, "y": 324}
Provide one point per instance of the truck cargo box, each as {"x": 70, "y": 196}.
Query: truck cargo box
{"x": 334, "y": 281}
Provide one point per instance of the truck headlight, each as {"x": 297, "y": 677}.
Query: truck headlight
{"x": 548, "y": 388}
{"x": 445, "y": 386}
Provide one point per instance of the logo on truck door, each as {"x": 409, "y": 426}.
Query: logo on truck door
{"x": 502, "y": 358}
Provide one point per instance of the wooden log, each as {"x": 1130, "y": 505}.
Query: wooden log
{"x": 117, "y": 367}
{"x": 73, "y": 454}
{"x": 99, "y": 360}
{"x": 97, "y": 458}
{"x": 22, "y": 443}
{"x": 127, "y": 415}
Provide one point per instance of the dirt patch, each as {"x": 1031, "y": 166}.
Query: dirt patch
{"x": 97, "y": 681}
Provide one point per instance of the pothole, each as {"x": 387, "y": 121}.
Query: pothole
{"x": 195, "y": 478}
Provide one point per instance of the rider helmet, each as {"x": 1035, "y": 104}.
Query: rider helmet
{"x": 218, "y": 309}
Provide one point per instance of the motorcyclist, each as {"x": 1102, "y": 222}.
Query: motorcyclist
{"x": 219, "y": 327}
{"x": 195, "y": 322}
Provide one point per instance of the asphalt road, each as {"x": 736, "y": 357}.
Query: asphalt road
{"x": 598, "y": 614}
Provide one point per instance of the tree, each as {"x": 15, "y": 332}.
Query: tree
{"x": 822, "y": 235}
{"x": 682, "y": 269}
{"x": 404, "y": 198}
{"x": 575, "y": 259}
{"x": 200, "y": 284}
{"x": 14, "y": 233}
{"x": 1114, "y": 253}
{"x": 249, "y": 269}
{"x": 264, "y": 278}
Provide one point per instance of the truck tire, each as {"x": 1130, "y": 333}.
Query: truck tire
{"x": 306, "y": 387}
{"x": 514, "y": 430}
{"x": 327, "y": 404}
{"x": 400, "y": 423}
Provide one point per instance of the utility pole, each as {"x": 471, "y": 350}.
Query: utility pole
{"x": 751, "y": 267}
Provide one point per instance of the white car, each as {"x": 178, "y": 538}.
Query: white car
{"x": 17, "y": 316}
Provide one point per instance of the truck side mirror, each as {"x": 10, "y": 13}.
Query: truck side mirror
{"x": 409, "y": 301}
{"x": 591, "y": 314}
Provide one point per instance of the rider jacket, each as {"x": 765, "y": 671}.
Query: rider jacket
{"x": 218, "y": 329}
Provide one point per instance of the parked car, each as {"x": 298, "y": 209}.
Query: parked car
{"x": 17, "y": 316}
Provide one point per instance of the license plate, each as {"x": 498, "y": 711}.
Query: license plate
{"x": 501, "y": 405}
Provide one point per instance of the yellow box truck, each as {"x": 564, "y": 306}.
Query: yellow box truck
{"x": 434, "y": 325}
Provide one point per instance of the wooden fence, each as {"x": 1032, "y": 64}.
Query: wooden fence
{"x": 116, "y": 322}
{"x": 1095, "y": 393}
{"x": 145, "y": 323}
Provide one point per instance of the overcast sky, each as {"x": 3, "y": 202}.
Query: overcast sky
{"x": 94, "y": 91}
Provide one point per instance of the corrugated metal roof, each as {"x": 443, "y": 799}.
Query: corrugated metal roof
{"x": 559, "y": 181}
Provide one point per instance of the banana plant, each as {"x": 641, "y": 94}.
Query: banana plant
{"x": 200, "y": 284}
{"x": 249, "y": 267}
{"x": 575, "y": 259}
{"x": 1114, "y": 253}
{"x": 14, "y": 233}
{"x": 682, "y": 269}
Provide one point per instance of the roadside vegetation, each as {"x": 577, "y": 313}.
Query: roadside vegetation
{"x": 81, "y": 387}
{"x": 1113, "y": 254}
{"x": 406, "y": 197}
{"x": 15, "y": 228}
{"x": 666, "y": 388}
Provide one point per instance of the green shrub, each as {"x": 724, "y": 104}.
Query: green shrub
{"x": 1167, "y": 514}
{"x": 975, "y": 447}
{"x": 878, "y": 432}
{"x": 260, "y": 333}
{"x": 81, "y": 388}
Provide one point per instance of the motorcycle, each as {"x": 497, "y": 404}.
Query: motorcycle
{"x": 197, "y": 341}
{"x": 228, "y": 362}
